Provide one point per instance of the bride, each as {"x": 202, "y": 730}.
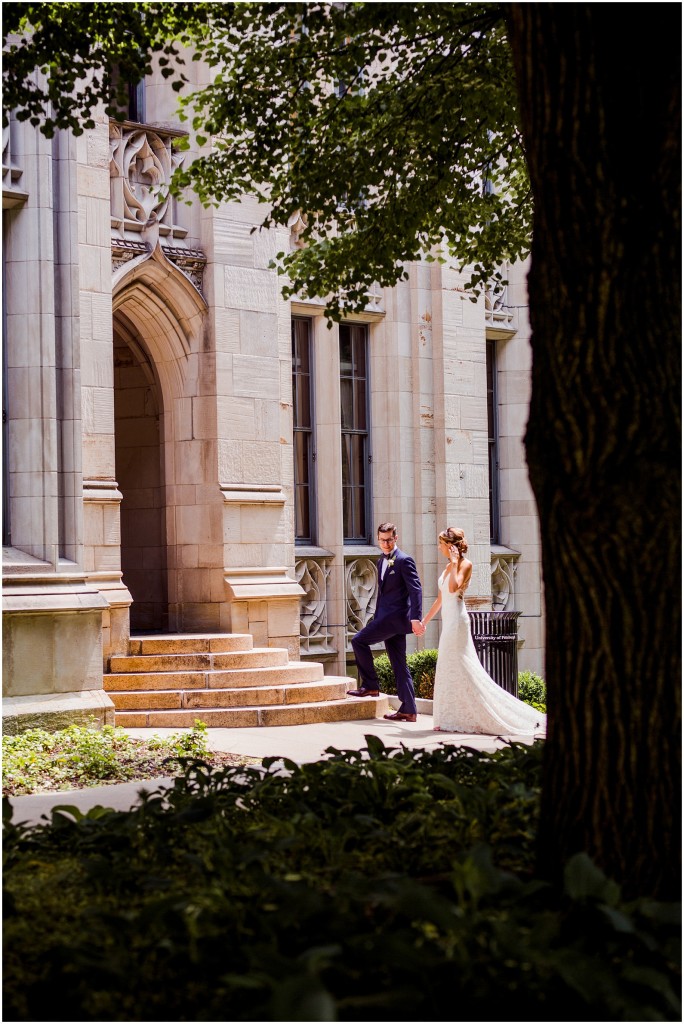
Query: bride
{"x": 466, "y": 698}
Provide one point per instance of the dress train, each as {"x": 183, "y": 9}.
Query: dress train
{"x": 466, "y": 698}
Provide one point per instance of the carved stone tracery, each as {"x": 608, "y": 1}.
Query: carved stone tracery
{"x": 497, "y": 311}
{"x": 191, "y": 261}
{"x": 297, "y": 224}
{"x": 361, "y": 590}
{"x": 143, "y": 212}
{"x": 503, "y": 582}
{"x": 124, "y": 250}
{"x": 13, "y": 194}
{"x": 312, "y": 575}
{"x": 11, "y": 174}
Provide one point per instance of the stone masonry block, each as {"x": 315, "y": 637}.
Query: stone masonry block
{"x": 290, "y": 643}
{"x": 283, "y": 618}
{"x": 251, "y": 289}
{"x": 255, "y": 377}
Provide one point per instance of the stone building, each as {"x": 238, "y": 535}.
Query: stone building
{"x": 187, "y": 453}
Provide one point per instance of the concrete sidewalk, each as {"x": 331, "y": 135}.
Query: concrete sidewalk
{"x": 298, "y": 743}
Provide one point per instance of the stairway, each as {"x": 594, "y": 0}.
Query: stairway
{"x": 221, "y": 679}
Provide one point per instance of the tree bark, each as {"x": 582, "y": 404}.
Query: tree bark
{"x": 600, "y": 114}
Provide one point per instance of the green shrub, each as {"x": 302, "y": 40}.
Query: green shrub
{"x": 423, "y": 664}
{"x": 532, "y": 689}
{"x": 385, "y": 673}
{"x": 378, "y": 885}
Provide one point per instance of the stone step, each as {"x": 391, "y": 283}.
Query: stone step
{"x": 233, "y": 698}
{"x": 291, "y": 672}
{"x": 349, "y": 709}
{"x": 258, "y": 657}
{"x": 224, "y": 681}
{"x": 192, "y": 662}
{"x": 190, "y": 643}
{"x": 141, "y": 681}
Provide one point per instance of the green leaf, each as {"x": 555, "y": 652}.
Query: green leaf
{"x": 376, "y": 748}
{"x": 584, "y": 880}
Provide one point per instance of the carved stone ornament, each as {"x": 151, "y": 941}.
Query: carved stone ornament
{"x": 503, "y": 579}
{"x": 141, "y": 164}
{"x": 124, "y": 250}
{"x": 312, "y": 577}
{"x": 497, "y": 310}
{"x": 296, "y": 223}
{"x": 361, "y": 589}
{"x": 13, "y": 194}
{"x": 191, "y": 261}
{"x": 11, "y": 174}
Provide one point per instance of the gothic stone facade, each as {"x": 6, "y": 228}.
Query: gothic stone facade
{"x": 185, "y": 451}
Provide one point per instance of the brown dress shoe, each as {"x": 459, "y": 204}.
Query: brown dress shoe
{"x": 363, "y": 692}
{"x": 399, "y": 716}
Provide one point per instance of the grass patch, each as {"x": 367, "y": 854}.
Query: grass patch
{"x": 38, "y": 761}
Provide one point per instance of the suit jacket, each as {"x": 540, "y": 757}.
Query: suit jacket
{"x": 400, "y": 595}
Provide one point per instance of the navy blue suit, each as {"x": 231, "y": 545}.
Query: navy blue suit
{"x": 400, "y": 599}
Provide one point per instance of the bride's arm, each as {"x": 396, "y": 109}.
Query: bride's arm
{"x": 436, "y": 605}
{"x": 460, "y": 571}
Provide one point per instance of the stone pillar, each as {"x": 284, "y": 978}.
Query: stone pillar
{"x": 52, "y": 617}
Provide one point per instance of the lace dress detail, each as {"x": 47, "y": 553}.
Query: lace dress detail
{"x": 466, "y": 698}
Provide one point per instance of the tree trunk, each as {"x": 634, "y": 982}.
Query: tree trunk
{"x": 600, "y": 114}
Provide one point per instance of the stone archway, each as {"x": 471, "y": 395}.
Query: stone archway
{"x": 158, "y": 320}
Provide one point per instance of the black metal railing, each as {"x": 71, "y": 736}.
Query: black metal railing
{"x": 495, "y": 635}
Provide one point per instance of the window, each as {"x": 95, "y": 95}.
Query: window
{"x": 303, "y": 439}
{"x": 355, "y": 431}
{"x": 136, "y": 102}
{"x": 127, "y": 98}
{"x": 493, "y": 444}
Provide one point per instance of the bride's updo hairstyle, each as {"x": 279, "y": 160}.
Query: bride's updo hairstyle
{"x": 455, "y": 536}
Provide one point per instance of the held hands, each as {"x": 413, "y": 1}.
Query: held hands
{"x": 417, "y": 627}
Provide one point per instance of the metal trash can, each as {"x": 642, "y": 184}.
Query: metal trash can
{"x": 495, "y": 635}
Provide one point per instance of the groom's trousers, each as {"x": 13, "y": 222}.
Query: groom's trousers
{"x": 377, "y": 632}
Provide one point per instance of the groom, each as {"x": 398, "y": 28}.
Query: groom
{"x": 397, "y": 612}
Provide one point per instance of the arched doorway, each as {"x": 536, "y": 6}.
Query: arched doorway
{"x": 139, "y": 433}
{"x": 161, "y": 461}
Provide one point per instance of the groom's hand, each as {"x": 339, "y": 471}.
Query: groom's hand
{"x": 417, "y": 627}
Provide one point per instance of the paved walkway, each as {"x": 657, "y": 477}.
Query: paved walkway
{"x": 299, "y": 743}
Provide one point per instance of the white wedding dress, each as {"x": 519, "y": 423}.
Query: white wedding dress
{"x": 466, "y": 698}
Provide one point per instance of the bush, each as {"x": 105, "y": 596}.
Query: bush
{"x": 423, "y": 664}
{"x": 372, "y": 885}
{"x": 532, "y": 689}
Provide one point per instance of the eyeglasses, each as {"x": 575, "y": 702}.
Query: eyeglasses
{"x": 385, "y": 540}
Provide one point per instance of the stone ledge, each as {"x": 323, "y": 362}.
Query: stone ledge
{"x": 53, "y": 711}
{"x": 311, "y": 551}
{"x": 423, "y": 706}
{"x": 253, "y": 494}
{"x": 57, "y": 599}
{"x": 16, "y": 562}
{"x": 253, "y": 583}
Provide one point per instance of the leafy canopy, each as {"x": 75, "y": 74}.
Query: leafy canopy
{"x": 74, "y": 46}
{"x": 390, "y": 128}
